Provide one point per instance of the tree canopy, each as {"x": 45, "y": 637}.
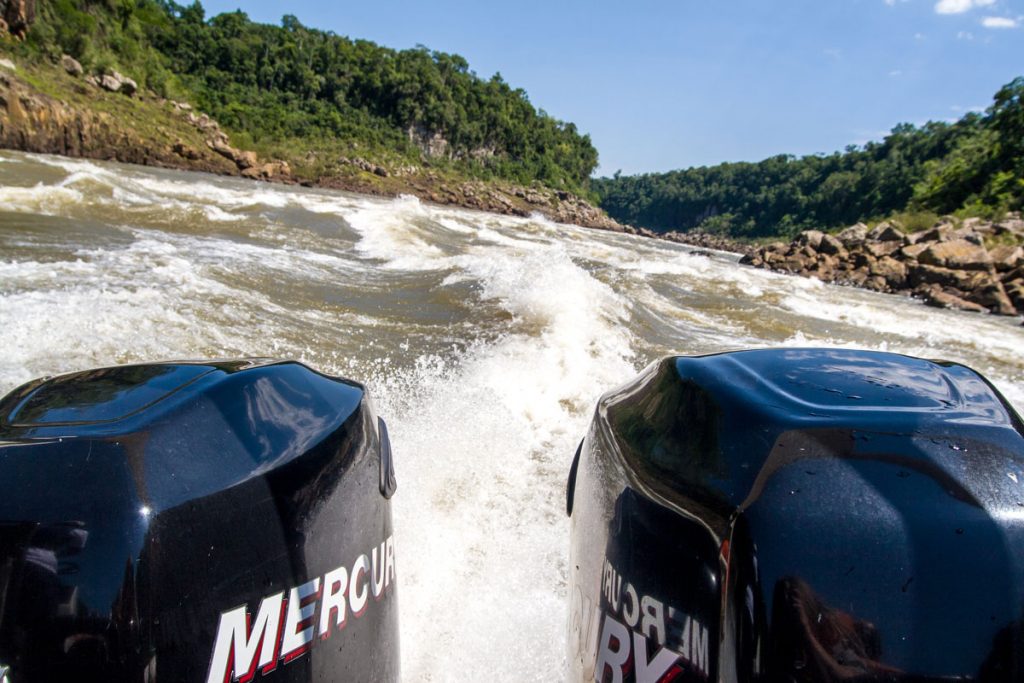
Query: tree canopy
{"x": 975, "y": 165}
{"x": 291, "y": 82}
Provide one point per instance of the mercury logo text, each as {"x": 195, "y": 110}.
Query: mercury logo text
{"x": 643, "y": 636}
{"x": 287, "y": 622}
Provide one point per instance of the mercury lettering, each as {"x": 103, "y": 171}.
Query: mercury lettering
{"x": 636, "y": 633}
{"x": 285, "y": 623}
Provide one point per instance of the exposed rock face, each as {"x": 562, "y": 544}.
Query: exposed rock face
{"x": 34, "y": 122}
{"x": 699, "y": 239}
{"x": 184, "y": 151}
{"x": 431, "y": 143}
{"x": 572, "y": 209}
{"x": 885, "y": 232}
{"x": 562, "y": 207}
{"x": 116, "y": 82}
{"x": 832, "y": 246}
{"x": 364, "y": 165}
{"x": 176, "y": 136}
{"x": 947, "y": 265}
{"x": 853, "y": 236}
{"x": 956, "y": 254}
{"x": 71, "y": 65}
{"x": 18, "y": 15}
{"x": 1005, "y": 257}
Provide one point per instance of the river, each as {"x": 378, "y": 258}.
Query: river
{"x": 485, "y": 341}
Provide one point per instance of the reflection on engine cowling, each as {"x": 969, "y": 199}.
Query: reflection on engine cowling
{"x": 799, "y": 515}
{"x": 206, "y": 521}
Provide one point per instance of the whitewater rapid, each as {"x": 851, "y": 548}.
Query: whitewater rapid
{"x": 484, "y": 340}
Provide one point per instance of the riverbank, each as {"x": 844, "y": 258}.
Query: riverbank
{"x": 59, "y": 109}
{"x": 972, "y": 265}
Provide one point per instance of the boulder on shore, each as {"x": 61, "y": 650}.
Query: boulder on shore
{"x": 116, "y": 82}
{"x": 71, "y": 65}
{"x": 947, "y": 265}
{"x": 958, "y": 254}
{"x": 853, "y": 236}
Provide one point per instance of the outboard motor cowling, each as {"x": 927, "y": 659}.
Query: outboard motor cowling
{"x": 799, "y": 515}
{"x": 207, "y": 521}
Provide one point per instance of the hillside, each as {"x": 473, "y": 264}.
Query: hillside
{"x": 287, "y": 102}
{"x": 972, "y": 167}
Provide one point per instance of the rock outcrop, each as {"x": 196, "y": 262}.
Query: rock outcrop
{"x": 32, "y": 121}
{"x": 705, "y": 240}
{"x": 145, "y": 129}
{"x": 973, "y": 265}
{"x": 71, "y": 65}
{"x": 557, "y": 205}
{"x": 572, "y": 209}
{"x": 116, "y": 82}
{"x": 18, "y": 15}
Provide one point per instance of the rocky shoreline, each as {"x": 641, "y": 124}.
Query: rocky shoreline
{"x": 108, "y": 117}
{"x": 972, "y": 265}
{"x": 68, "y": 112}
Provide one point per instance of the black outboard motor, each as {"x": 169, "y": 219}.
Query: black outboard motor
{"x": 208, "y": 521}
{"x": 799, "y": 515}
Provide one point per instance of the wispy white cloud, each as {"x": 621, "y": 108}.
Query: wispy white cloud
{"x": 895, "y": 72}
{"x": 919, "y": 36}
{"x": 1000, "y": 22}
{"x": 862, "y": 136}
{"x": 833, "y": 52}
{"x": 965, "y": 35}
{"x": 964, "y": 110}
{"x": 960, "y": 6}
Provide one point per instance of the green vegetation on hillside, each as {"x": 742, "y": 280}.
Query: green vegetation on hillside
{"x": 283, "y": 89}
{"x": 321, "y": 101}
{"x": 973, "y": 166}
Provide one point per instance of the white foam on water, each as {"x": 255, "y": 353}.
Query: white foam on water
{"x": 455, "y": 225}
{"x": 909, "y": 321}
{"x": 71, "y": 166}
{"x": 149, "y": 300}
{"x": 48, "y": 200}
{"x": 483, "y": 441}
{"x": 1013, "y": 391}
{"x": 87, "y": 185}
{"x": 252, "y": 195}
{"x": 483, "y": 433}
{"x": 279, "y": 262}
{"x": 393, "y": 233}
{"x": 221, "y": 200}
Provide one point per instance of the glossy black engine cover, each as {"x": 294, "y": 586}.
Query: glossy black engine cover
{"x": 799, "y": 515}
{"x": 172, "y": 522}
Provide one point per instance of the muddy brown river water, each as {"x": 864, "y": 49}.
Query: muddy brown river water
{"x": 484, "y": 340}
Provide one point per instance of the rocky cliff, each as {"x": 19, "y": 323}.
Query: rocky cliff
{"x": 973, "y": 265}
{"x": 16, "y": 16}
{"x": 63, "y": 110}
{"x": 142, "y": 131}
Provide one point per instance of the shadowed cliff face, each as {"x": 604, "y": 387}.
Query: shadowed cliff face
{"x": 95, "y": 117}
{"x": 16, "y": 16}
{"x": 36, "y": 122}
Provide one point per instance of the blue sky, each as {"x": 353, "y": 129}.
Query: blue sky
{"x": 661, "y": 85}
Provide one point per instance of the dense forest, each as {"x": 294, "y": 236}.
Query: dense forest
{"x": 307, "y": 95}
{"x": 974, "y": 166}
{"x": 298, "y": 87}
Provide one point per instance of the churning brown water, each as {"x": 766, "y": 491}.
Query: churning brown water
{"x": 484, "y": 340}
